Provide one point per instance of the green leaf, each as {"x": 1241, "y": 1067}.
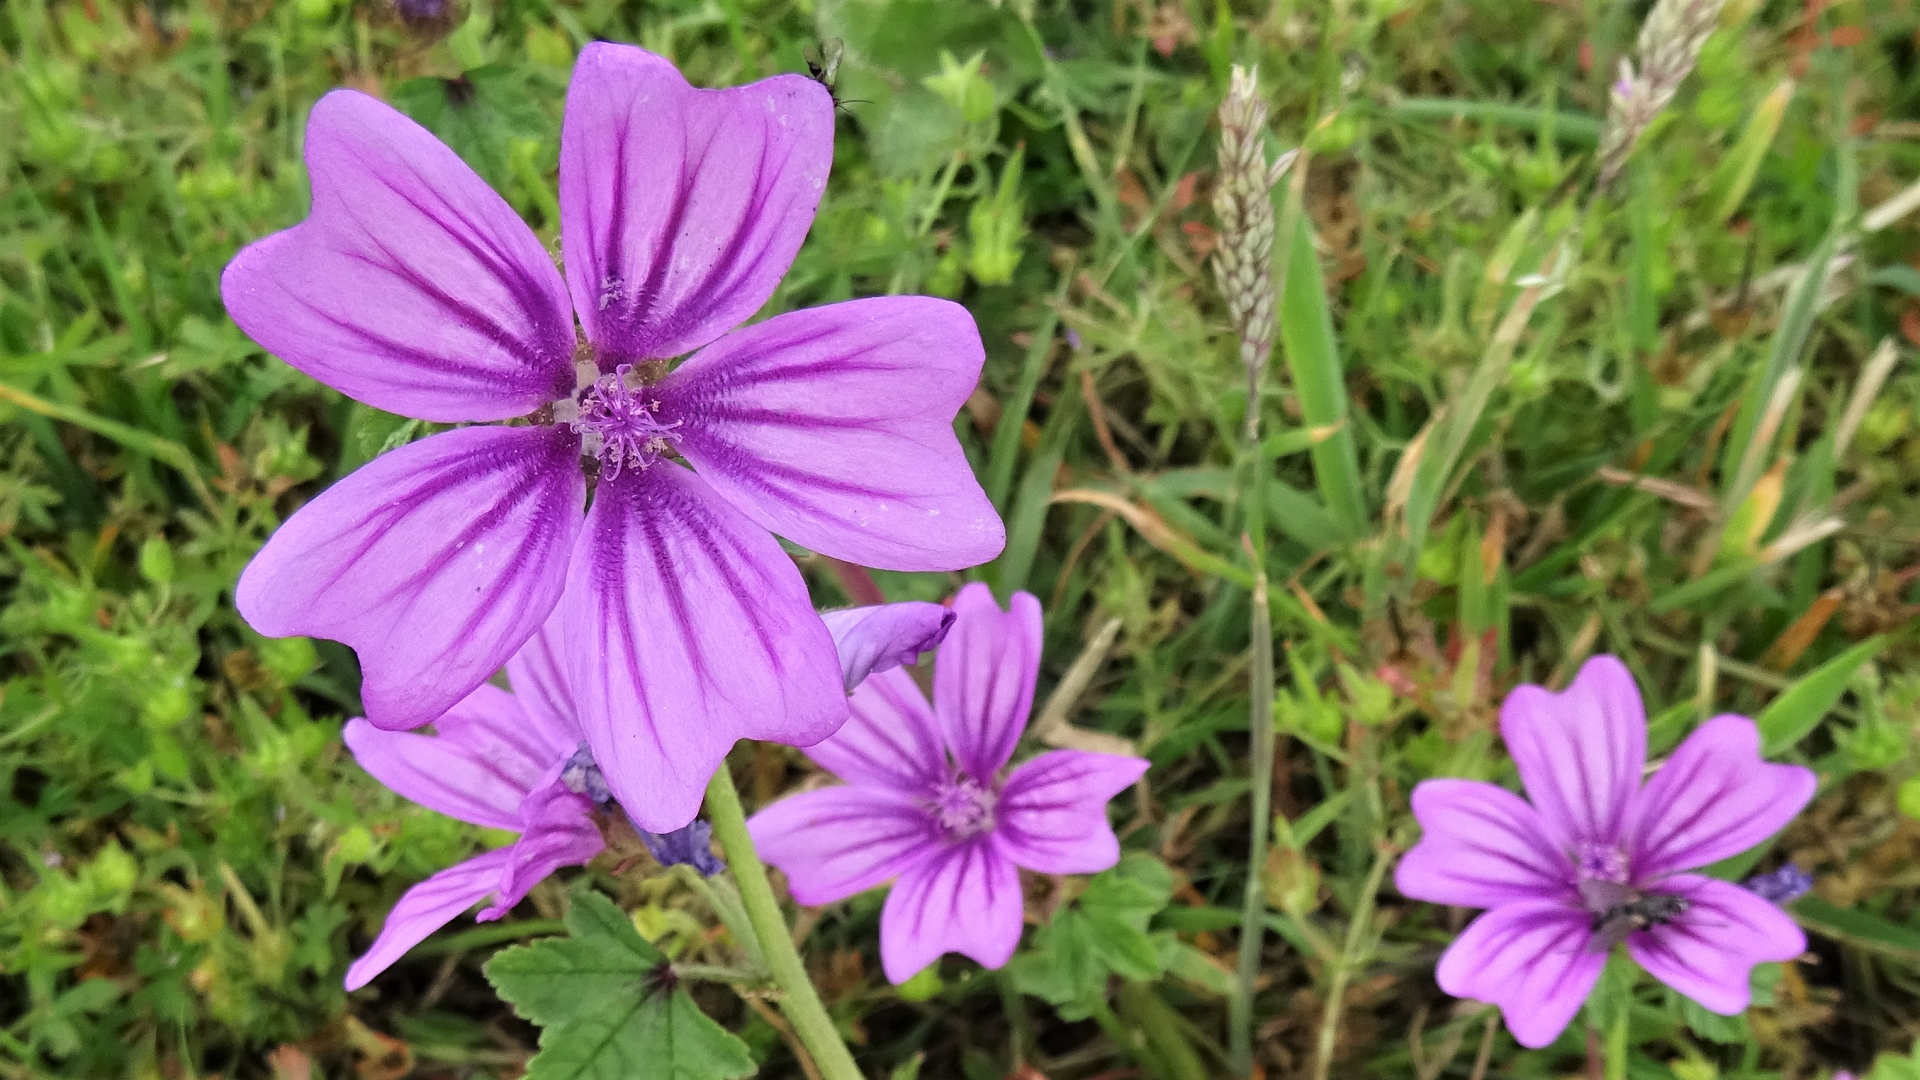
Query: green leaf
{"x": 1861, "y": 929}
{"x": 478, "y": 114}
{"x": 1795, "y": 713}
{"x": 1102, "y": 934}
{"x": 607, "y": 1002}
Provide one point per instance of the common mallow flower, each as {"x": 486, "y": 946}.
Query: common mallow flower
{"x": 1596, "y": 858}
{"x": 414, "y": 288}
{"x": 515, "y": 761}
{"x": 927, "y": 800}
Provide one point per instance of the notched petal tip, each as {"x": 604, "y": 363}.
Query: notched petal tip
{"x": 983, "y": 677}
{"x": 966, "y": 900}
{"x": 1530, "y": 959}
{"x": 833, "y": 427}
{"x": 1580, "y": 752}
{"x": 434, "y": 562}
{"x": 682, "y": 208}
{"x": 411, "y": 285}
{"x": 687, "y": 629}
{"x": 1480, "y": 846}
{"x": 1709, "y": 951}
{"x": 1715, "y": 797}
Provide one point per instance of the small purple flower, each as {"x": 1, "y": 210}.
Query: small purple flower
{"x": 926, "y": 801}
{"x": 1597, "y": 858}
{"x": 413, "y": 287}
{"x": 689, "y": 846}
{"x": 1782, "y": 886}
{"x": 515, "y": 761}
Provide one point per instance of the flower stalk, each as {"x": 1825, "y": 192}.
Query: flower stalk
{"x": 1243, "y": 265}
{"x": 1670, "y": 42}
{"x": 798, "y": 1000}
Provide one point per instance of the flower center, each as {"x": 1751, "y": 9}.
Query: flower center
{"x": 963, "y": 808}
{"x": 1602, "y": 862}
{"x": 618, "y": 423}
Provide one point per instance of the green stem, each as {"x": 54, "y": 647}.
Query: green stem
{"x": 1617, "y": 1048}
{"x": 798, "y": 1000}
{"x": 1358, "y": 928}
{"x": 1253, "y": 907}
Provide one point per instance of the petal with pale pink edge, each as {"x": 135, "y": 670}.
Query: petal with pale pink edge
{"x": 411, "y": 286}
{"x": 890, "y": 739}
{"x": 884, "y": 636}
{"x": 681, "y": 209}
{"x": 983, "y": 678}
{"x": 1052, "y": 813}
{"x": 479, "y": 766}
{"x": 559, "y": 831}
{"x": 1714, "y": 798}
{"x": 427, "y": 907}
{"x": 1708, "y": 951}
{"x": 538, "y": 675}
{"x": 1580, "y": 752}
{"x": 833, "y": 427}
{"x": 840, "y": 841}
{"x": 687, "y": 629}
{"x": 965, "y": 899}
{"x": 1481, "y": 846}
{"x": 1532, "y": 959}
{"x": 435, "y": 562}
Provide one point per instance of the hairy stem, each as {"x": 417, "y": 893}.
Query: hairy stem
{"x": 798, "y": 999}
{"x": 1357, "y": 929}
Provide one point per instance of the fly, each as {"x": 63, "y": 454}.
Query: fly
{"x": 823, "y": 66}
{"x": 1614, "y": 923}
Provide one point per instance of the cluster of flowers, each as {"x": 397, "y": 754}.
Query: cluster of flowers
{"x": 647, "y": 635}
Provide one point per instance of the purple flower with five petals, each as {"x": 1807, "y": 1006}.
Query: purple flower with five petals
{"x": 1597, "y": 858}
{"x": 925, "y": 801}
{"x": 413, "y": 287}
{"x": 513, "y": 761}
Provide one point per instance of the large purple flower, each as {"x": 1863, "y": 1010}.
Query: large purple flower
{"x": 414, "y": 288}
{"x": 514, "y": 761}
{"x": 1596, "y": 858}
{"x": 925, "y": 801}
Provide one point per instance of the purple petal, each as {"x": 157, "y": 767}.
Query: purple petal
{"x": 966, "y": 899}
{"x": 411, "y": 286}
{"x": 875, "y": 639}
{"x": 1713, "y": 798}
{"x": 1532, "y": 959}
{"x": 890, "y": 739}
{"x": 484, "y": 759}
{"x": 559, "y": 831}
{"x": 434, "y": 561}
{"x": 834, "y": 428}
{"x": 1708, "y": 952}
{"x": 427, "y": 907}
{"x": 687, "y": 629}
{"x": 983, "y": 678}
{"x": 1052, "y": 814}
{"x": 681, "y": 209}
{"x": 1580, "y": 753}
{"x": 839, "y": 841}
{"x": 538, "y": 675}
{"x": 1481, "y": 846}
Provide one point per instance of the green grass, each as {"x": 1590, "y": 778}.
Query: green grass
{"x": 190, "y": 859}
